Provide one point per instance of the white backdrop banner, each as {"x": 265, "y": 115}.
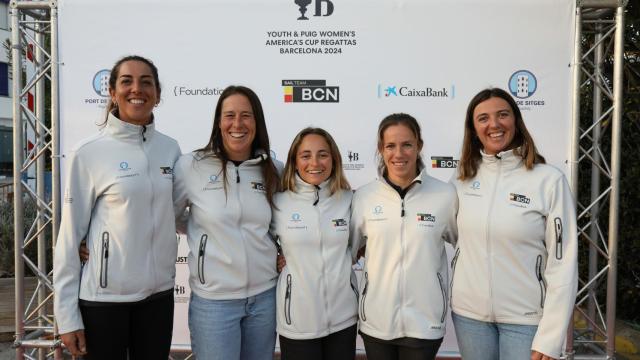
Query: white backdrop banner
{"x": 338, "y": 64}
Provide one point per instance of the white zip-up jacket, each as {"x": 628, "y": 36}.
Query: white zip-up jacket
{"x": 317, "y": 290}
{"x": 117, "y": 197}
{"x": 231, "y": 255}
{"x": 516, "y": 259}
{"x": 403, "y": 292}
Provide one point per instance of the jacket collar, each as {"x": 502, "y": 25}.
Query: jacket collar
{"x": 129, "y": 132}
{"x": 509, "y": 159}
{"x": 416, "y": 181}
{"x": 313, "y": 193}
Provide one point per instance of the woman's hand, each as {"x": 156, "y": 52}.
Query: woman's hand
{"x": 540, "y": 356}
{"x": 83, "y": 252}
{"x": 281, "y": 262}
{"x": 74, "y": 342}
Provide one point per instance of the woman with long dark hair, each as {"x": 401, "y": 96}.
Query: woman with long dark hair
{"x": 515, "y": 266}
{"x": 228, "y": 187}
{"x": 118, "y": 196}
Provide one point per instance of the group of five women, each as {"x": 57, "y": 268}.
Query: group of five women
{"x": 509, "y": 215}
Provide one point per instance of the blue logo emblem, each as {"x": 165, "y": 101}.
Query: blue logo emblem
{"x": 475, "y": 185}
{"x": 212, "y": 179}
{"x": 124, "y": 165}
{"x": 523, "y": 84}
{"x": 101, "y": 82}
{"x": 377, "y": 210}
{"x": 295, "y": 217}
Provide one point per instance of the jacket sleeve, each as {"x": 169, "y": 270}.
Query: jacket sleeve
{"x": 451, "y": 233}
{"x": 78, "y": 202}
{"x": 180, "y": 194}
{"x": 561, "y": 272}
{"x": 357, "y": 234}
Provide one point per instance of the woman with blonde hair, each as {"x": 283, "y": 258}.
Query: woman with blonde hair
{"x": 316, "y": 294}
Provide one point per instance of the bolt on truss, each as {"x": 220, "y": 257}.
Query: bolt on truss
{"x": 35, "y": 142}
{"x": 598, "y": 88}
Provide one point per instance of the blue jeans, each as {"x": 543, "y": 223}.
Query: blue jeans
{"x": 480, "y": 340}
{"x": 233, "y": 329}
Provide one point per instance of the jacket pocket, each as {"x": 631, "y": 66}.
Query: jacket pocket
{"x": 287, "y": 301}
{"x": 363, "y": 298}
{"x": 541, "y": 282}
{"x": 454, "y": 262}
{"x": 104, "y": 260}
{"x": 201, "y": 248}
{"x": 557, "y": 224}
{"x": 353, "y": 282}
{"x": 444, "y": 297}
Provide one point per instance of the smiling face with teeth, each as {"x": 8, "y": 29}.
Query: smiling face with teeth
{"x": 495, "y": 125}
{"x": 314, "y": 162}
{"x": 400, "y": 149}
{"x": 135, "y": 92}
{"x": 238, "y": 127}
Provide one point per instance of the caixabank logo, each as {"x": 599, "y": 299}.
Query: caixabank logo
{"x": 444, "y": 162}
{"x": 523, "y": 85}
{"x": 387, "y": 91}
{"x": 310, "y": 91}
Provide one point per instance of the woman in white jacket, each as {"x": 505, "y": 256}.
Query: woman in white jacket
{"x": 515, "y": 267}
{"x": 403, "y": 218}
{"x": 118, "y": 197}
{"x": 317, "y": 291}
{"x": 228, "y": 187}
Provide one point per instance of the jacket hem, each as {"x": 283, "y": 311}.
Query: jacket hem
{"x": 225, "y": 295}
{"x": 317, "y": 334}
{"x": 429, "y": 335}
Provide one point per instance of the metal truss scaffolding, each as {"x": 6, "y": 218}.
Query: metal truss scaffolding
{"x": 599, "y": 36}
{"x": 599, "y": 45}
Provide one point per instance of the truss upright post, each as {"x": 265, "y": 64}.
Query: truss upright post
{"x": 18, "y": 198}
{"x": 615, "y": 178}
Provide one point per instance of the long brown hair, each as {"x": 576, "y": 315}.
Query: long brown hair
{"x": 522, "y": 141}
{"x": 215, "y": 147}
{"x": 398, "y": 119}
{"x": 337, "y": 180}
{"x": 113, "y": 78}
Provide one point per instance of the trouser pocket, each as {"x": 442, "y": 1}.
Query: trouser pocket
{"x": 287, "y": 301}
{"x": 201, "y": 249}
{"x": 104, "y": 260}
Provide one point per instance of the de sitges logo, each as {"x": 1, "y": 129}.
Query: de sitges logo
{"x": 101, "y": 82}
{"x": 523, "y": 84}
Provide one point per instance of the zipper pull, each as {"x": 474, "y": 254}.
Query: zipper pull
{"x": 558, "y": 227}
{"x": 317, "y": 195}
{"x": 144, "y": 130}
{"x": 105, "y": 244}
{"x": 237, "y": 176}
{"x": 402, "y": 211}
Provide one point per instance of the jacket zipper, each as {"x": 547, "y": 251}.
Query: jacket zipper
{"x": 557, "y": 222}
{"x": 488, "y": 237}
{"x": 444, "y": 297}
{"x": 287, "y": 301}
{"x": 201, "y": 249}
{"x": 104, "y": 260}
{"x": 541, "y": 282}
{"x": 323, "y": 273}
{"x": 150, "y": 173}
{"x": 363, "y": 315}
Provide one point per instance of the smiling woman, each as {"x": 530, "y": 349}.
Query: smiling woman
{"x": 228, "y": 186}
{"x": 119, "y": 304}
{"x": 403, "y": 218}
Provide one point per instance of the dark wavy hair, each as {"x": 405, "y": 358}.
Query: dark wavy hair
{"x": 522, "y": 142}
{"x": 115, "y": 72}
{"x": 215, "y": 147}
